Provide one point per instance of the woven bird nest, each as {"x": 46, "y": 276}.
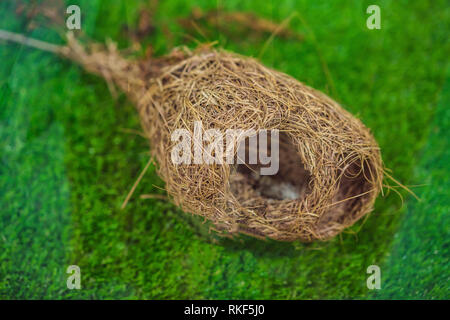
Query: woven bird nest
{"x": 330, "y": 168}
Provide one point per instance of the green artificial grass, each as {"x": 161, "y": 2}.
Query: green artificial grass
{"x": 418, "y": 266}
{"x": 67, "y": 163}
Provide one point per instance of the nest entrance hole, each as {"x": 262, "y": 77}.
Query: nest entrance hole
{"x": 290, "y": 182}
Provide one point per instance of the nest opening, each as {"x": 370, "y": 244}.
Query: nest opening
{"x": 291, "y": 182}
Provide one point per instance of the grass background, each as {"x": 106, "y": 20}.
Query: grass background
{"x": 67, "y": 165}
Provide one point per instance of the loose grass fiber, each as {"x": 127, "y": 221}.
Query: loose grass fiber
{"x": 330, "y": 165}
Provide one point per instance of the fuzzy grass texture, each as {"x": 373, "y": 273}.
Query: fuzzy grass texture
{"x": 68, "y": 160}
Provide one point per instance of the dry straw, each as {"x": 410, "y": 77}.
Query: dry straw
{"x": 327, "y": 155}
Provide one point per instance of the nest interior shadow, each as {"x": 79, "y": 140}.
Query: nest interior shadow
{"x": 291, "y": 182}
